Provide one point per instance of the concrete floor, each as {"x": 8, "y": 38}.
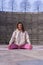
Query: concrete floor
{"x": 21, "y": 56}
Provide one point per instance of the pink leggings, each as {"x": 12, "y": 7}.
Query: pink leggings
{"x": 25, "y": 46}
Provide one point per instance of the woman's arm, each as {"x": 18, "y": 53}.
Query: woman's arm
{"x": 12, "y": 38}
{"x": 27, "y": 38}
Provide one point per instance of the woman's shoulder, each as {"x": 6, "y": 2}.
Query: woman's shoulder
{"x": 26, "y": 31}
{"x": 14, "y": 31}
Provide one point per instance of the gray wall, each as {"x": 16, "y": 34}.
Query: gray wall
{"x": 33, "y": 23}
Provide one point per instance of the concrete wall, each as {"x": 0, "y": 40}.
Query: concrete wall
{"x": 33, "y": 23}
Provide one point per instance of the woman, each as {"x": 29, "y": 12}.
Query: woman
{"x": 20, "y": 38}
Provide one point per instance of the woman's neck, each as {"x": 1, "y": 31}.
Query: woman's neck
{"x": 19, "y": 30}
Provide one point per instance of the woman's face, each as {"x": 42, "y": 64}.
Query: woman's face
{"x": 20, "y": 26}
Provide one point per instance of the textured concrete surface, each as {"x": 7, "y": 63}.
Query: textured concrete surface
{"x": 21, "y": 56}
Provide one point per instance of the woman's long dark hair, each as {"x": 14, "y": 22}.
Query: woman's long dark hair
{"x": 22, "y": 26}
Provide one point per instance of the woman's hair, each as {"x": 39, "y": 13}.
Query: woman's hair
{"x": 22, "y": 26}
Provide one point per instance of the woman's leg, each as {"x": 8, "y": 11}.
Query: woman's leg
{"x": 13, "y": 46}
{"x": 26, "y": 46}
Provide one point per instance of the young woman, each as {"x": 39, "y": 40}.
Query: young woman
{"x": 20, "y": 38}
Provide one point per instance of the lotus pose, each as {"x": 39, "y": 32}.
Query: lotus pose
{"x": 20, "y": 38}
